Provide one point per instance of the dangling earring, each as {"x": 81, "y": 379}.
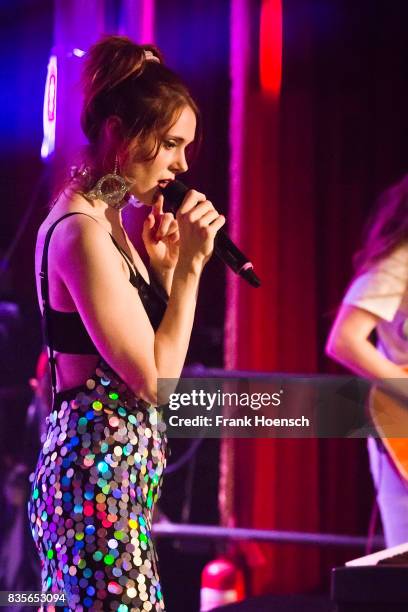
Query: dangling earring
{"x": 110, "y": 188}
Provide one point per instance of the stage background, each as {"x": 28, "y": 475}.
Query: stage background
{"x": 311, "y": 155}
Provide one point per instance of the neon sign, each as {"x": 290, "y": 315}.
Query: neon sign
{"x": 50, "y": 109}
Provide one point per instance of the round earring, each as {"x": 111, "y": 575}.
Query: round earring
{"x": 111, "y": 188}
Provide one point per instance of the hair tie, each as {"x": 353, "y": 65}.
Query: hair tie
{"x": 150, "y": 57}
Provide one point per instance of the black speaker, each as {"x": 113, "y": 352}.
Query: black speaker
{"x": 371, "y": 588}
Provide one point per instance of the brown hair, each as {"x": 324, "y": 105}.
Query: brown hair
{"x": 388, "y": 227}
{"x": 148, "y": 97}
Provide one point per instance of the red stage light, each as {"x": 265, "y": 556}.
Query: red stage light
{"x": 270, "y": 46}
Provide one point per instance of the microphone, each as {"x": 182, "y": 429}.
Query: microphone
{"x": 224, "y": 248}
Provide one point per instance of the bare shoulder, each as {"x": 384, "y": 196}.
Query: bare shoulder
{"x": 82, "y": 237}
{"x": 77, "y": 239}
{"x": 74, "y": 230}
{"x": 66, "y": 204}
{"x": 80, "y": 226}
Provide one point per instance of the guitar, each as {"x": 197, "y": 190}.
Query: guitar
{"x": 390, "y": 417}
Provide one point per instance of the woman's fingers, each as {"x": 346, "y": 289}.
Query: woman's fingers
{"x": 208, "y": 218}
{"x": 199, "y": 211}
{"x": 168, "y": 225}
{"x": 158, "y": 206}
{"x": 148, "y": 225}
{"x": 191, "y": 200}
{"x": 198, "y": 222}
{"x": 218, "y": 223}
{"x": 204, "y": 215}
{"x": 174, "y": 236}
{"x": 196, "y": 207}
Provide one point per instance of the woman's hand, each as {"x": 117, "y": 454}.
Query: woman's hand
{"x": 161, "y": 238}
{"x": 198, "y": 223}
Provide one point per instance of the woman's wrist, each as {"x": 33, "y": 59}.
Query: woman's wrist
{"x": 159, "y": 268}
{"x": 193, "y": 267}
{"x": 163, "y": 275}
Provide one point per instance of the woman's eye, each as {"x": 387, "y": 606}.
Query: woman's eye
{"x": 169, "y": 144}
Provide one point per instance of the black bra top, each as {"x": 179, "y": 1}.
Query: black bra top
{"x": 65, "y": 332}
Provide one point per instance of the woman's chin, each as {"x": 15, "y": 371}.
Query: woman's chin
{"x": 148, "y": 198}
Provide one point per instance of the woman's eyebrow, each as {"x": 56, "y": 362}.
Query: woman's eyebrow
{"x": 179, "y": 139}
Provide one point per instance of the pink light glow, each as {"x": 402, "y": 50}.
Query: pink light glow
{"x": 239, "y": 60}
{"x": 138, "y": 20}
{"x": 147, "y": 25}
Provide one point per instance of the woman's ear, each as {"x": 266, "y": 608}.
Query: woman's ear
{"x": 113, "y": 132}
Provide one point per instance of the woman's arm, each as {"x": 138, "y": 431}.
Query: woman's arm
{"x": 349, "y": 344}
{"x": 163, "y": 276}
{"x": 111, "y": 308}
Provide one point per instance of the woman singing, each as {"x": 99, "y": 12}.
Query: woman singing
{"x": 377, "y": 299}
{"x": 113, "y": 329}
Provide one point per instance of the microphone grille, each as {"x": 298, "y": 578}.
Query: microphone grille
{"x": 174, "y": 193}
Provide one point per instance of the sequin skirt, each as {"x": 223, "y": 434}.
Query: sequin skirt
{"x": 97, "y": 479}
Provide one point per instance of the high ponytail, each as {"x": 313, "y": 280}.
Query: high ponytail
{"x": 130, "y": 81}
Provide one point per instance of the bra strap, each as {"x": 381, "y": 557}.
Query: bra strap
{"x": 45, "y": 298}
{"x": 134, "y": 272}
{"x": 140, "y": 282}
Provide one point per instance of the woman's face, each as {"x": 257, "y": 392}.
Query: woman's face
{"x": 147, "y": 177}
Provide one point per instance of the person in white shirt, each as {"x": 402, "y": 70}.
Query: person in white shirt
{"x": 377, "y": 300}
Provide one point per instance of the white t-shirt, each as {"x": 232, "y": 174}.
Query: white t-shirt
{"x": 383, "y": 291}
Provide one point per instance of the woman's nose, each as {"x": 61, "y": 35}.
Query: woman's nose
{"x": 181, "y": 163}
